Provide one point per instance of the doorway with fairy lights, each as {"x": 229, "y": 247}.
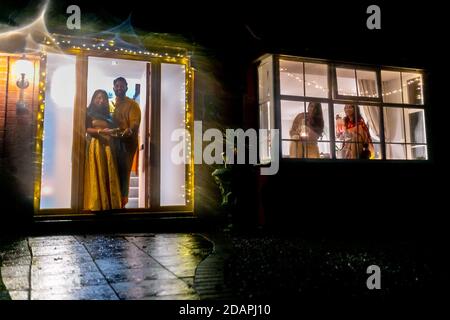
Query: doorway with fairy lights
{"x": 161, "y": 92}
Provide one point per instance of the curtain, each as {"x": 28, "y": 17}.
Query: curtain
{"x": 394, "y": 132}
{"x": 368, "y": 88}
{"x": 372, "y": 117}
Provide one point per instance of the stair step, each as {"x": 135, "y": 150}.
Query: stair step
{"x": 132, "y": 203}
{"x": 133, "y": 192}
{"x": 134, "y": 182}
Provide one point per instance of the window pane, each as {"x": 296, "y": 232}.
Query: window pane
{"x": 346, "y": 82}
{"x": 291, "y": 78}
{"x": 412, "y": 88}
{"x": 286, "y": 149}
{"x": 392, "y": 88}
{"x": 324, "y": 150}
{"x": 291, "y": 110}
{"x": 316, "y": 80}
{"x": 367, "y": 83}
{"x": 395, "y": 152}
{"x": 306, "y": 129}
{"x": 173, "y": 95}
{"x": 415, "y": 126}
{"x": 394, "y": 129}
{"x": 56, "y": 182}
{"x": 378, "y": 153}
{"x": 371, "y": 116}
{"x": 326, "y": 123}
{"x": 357, "y": 128}
{"x": 339, "y": 145}
{"x": 371, "y": 133}
{"x": 265, "y": 77}
{"x": 417, "y": 152}
{"x": 266, "y": 111}
{"x": 339, "y": 126}
{"x": 265, "y": 122}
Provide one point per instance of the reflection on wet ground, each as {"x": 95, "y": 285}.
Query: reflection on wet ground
{"x": 137, "y": 266}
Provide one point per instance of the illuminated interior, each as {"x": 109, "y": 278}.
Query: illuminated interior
{"x": 56, "y": 181}
{"x": 389, "y": 103}
{"x": 176, "y": 180}
{"x": 173, "y": 92}
{"x": 56, "y": 98}
{"x": 101, "y": 74}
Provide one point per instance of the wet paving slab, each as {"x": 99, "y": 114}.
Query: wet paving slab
{"x": 108, "y": 265}
{"x": 76, "y": 281}
{"x": 100, "y": 292}
{"x": 150, "y": 288}
{"x": 105, "y": 267}
{"x": 137, "y": 275}
{"x": 43, "y": 268}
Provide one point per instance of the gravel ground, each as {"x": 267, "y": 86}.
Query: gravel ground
{"x": 268, "y": 266}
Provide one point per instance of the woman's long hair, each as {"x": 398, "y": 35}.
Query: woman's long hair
{"x": 315, "y": 119}
{"x": 356, "y": 115}
{"x": 100, "y": 112}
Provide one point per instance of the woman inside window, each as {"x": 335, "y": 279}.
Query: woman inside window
{"x": 357, "y": 143}
{"x": 306, "y": 129}
{"x": 101, "y": 182}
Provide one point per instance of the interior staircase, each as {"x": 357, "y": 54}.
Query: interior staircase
{"x": 133, "y": 193}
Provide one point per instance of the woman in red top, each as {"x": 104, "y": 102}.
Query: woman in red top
{"x": 357, "y": 143}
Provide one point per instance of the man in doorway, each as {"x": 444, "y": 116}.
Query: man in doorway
{"x": 127, "y": 116}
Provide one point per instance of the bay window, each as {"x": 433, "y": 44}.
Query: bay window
{"x": 327, "y": 110}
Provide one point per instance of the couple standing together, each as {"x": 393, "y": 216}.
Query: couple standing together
{"x": 112, "y": 139}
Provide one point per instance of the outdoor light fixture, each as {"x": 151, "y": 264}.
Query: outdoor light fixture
{"x": 24, "y": 68}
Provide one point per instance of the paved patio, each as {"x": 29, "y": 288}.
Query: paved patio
{"x": 105, "y": 267}
{"x": 214, "y": 266}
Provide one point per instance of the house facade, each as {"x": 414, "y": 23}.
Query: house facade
{"x": 336, "y": 177}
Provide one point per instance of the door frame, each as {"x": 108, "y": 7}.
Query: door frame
{"x": 151, "y": 140}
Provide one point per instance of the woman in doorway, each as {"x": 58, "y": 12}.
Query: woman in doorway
{"x": 306, "y": 129}
{"x": 101, "y": 182}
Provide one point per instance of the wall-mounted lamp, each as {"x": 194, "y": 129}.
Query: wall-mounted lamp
{"x": 23, "y": 70}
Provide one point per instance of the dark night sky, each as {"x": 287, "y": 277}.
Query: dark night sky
{"x": 333, "y": 28}
{"x": 237, "y": 32}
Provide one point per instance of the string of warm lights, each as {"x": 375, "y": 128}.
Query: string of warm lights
{"x": 346, "y": 93}
{"x": 400, "y": 90}
{"x": 308, "y": 83}
{"x": 39, "y": 132}
{"x": 110, "y": 46}
{"x": 189, "y": 118}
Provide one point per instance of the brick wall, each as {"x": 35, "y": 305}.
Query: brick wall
{"x": 3, "y": 83}
{"x": 17, "y": 132}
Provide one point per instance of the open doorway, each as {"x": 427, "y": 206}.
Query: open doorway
{"x": 161, "y": 92}
{"x": 101, "y": 75}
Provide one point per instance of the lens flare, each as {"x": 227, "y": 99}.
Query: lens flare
{"x": 28, "y": 38}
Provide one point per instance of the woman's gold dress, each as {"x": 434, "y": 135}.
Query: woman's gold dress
{"x": 101, "y": 182}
